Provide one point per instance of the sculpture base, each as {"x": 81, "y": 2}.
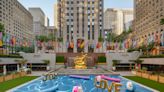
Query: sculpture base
{"x": 80, "y": 67}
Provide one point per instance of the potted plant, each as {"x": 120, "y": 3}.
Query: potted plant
{"x": 47, "y": 62}
{"x": 115, "y": 62}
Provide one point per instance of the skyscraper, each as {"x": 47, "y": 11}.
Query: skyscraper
{"x": 118, "y": 20}
{"x": 17, "y": 21}
{"x": 148, "y": 15}
{"x": 38, "y": 20}
{"x": 80, "y": 23}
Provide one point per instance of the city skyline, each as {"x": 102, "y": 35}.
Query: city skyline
{"x": 49, "y": 11}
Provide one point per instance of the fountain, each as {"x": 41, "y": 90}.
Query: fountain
{"x": 80, "y": 61}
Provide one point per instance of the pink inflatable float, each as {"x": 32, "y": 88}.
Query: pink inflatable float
{"x": 110, "y": 79}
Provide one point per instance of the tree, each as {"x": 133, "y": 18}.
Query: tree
{"x": 162, "y": 21}
{"x": 42, "y": 38}
{"x": 110, "y": 37}
{"x": 52, "y": 37}
{"x": 100, "y": 39}
{"x": 60, "y": 39}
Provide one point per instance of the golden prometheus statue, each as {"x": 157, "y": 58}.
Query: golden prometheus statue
{"x": 80, "y": 61}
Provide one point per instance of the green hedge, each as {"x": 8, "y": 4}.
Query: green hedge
{"x": 101, "y": 59}
{"x": 11, "y": 56}
{"x": 152, "y": 56}
{"x": 59, "y": 59}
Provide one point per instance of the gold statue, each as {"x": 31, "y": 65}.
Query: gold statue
{"x": 80, "y": 61}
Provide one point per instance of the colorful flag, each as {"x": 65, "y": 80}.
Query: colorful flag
{"x": 104, "y": 44}
{"x": 98, "y": 45}
{"x": 4, "y": 38}
{"x": 162, "y": 39}
{"x": 1, "y": 35}
{"x": 1, "y": 44}
{"x": 82, "y": 44}
{"x": 71, "y": 45}
{"x": 8, "y": 38}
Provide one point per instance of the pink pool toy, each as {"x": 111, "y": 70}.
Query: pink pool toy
{"x": 75, "y": 89}
{"x": 110, "y": 79}
{"x": 79, "y": 77}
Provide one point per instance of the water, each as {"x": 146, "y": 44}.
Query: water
{"x": 65, "y": 84}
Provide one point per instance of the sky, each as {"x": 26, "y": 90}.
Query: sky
{"x": 48, "y": 6}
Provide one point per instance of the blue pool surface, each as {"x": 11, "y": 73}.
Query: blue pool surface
{"x": 65, "y": 84}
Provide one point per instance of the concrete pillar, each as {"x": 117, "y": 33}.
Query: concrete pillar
{"x": 4, "y": 69}
{"x": 109, "y": 61}
{"x": 18, "y": 69}
{"x": 75, "y": 45}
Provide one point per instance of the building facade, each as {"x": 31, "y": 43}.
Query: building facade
{"x": 117, "y": 20}
{"x": 56, "y": 15}
{"x": 18, "y": 23}
{"x": 47, "y": 22}
{"x": 38, "y": 21}
{"x": 148, "y": 15}
{"x": 80, "y": 24}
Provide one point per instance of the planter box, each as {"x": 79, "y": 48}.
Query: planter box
{"x": 145, "y": 75}
{"x": 153, "y": 77}
{"x": 134, "y": 72}
{"x": 1, "y": 78}
{"x": 17, "y": 75}
{"x": 22, "y": 74}
{"x": 8, "y": 77}
{"x": 138, "y": 74}
{"x": 161, "y": 79}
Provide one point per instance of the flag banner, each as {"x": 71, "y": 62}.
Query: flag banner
{"x": 1, "y": 43}
{"x": 104, "y": 44}
{"x": 71, "y": 45}
{"x": 1, "y": 35}
{"x": 98, "y": 45}
{"x": 82, "y": 45}
{"x": 92, "y": 46}
{"x": 4, "y": 38}
{"x": 8, "y": 38}
{"x": 162, "y": 39}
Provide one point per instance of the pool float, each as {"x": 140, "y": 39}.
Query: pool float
{"x": 98, "y": 78}
{"x": 130, "y": 87}
{"x": 77, "y": 89}
{"x": 79, "y": 77}
{"x": 110, "y": 79}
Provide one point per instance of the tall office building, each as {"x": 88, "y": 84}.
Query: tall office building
{"x": 55, "y": 16}
{"x": 80, "y": 22}
{"x": 117, "y": 20}
{"x": 38, "y": 21}
{"x": 47, "y": 22}
{"x": 17, "y": 21}
{"x": 148, "y": 15}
